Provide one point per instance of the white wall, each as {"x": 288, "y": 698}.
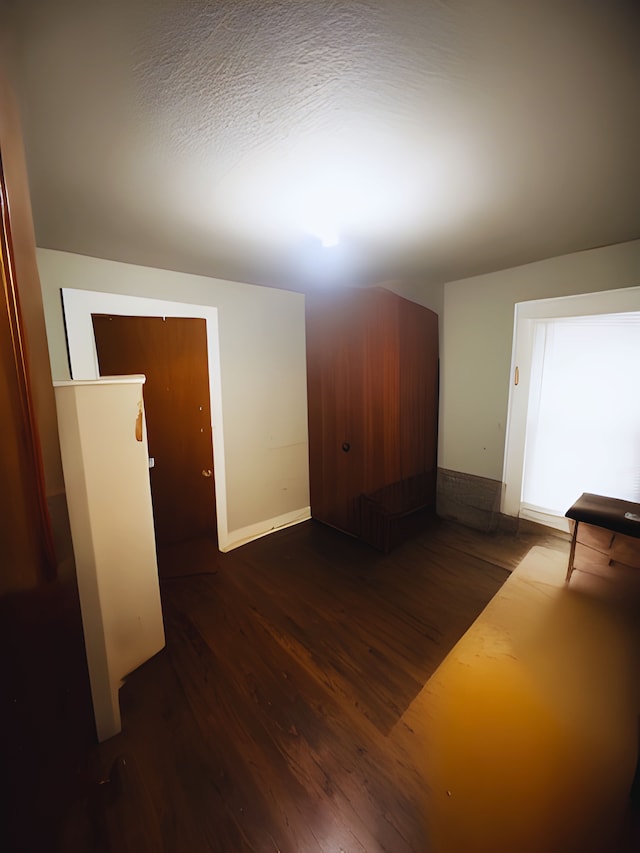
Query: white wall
{"x": 477, "y": 335}
{"x": 263, "y": 369}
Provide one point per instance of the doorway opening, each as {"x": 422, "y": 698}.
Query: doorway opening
{"x": 542, "y": 409}
{"x": 583, "y": 424}
{"x": 79, "y": 307}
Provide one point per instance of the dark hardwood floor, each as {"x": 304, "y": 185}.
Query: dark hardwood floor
{"x": 265, "y": 723}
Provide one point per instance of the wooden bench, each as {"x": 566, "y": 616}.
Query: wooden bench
{"x": 606, "y": 532}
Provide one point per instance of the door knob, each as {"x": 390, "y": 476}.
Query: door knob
{"x": 346, "y": 446}
{"x": 207, "y": 472}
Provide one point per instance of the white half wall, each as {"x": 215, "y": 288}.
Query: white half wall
{"x": 476, "y": 345}
{"x": 262, "y": 368}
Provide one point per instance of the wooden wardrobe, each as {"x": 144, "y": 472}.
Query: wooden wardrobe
{"x": 372, "y": 381}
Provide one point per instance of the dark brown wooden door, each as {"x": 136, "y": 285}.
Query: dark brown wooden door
{"x": 22, "y": 556}
{"x": 172, "y": 353}
{"x": 26, "y": 547}
{"x": 46, "y": 719}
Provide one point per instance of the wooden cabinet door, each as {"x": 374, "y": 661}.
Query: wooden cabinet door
{"x": 172, "y": 353}
{"x": 335, "y": 394}
{"x": 378, "y": 317}
{"x": 372, "y": 368}
{"x": 418, "y": 389}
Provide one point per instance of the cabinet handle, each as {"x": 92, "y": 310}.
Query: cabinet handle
{"x": 346, "y": 446}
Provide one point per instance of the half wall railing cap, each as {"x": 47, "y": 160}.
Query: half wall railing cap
{"x": 134, "y": 379}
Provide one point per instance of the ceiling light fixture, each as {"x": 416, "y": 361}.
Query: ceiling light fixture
{"x": 329, "y": 238}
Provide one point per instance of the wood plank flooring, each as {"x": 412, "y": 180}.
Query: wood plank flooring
{"x": 265, "y": 724}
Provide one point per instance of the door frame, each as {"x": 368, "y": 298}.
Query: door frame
{"x": 618, "y": 301}
{"x": 79, "y": 305}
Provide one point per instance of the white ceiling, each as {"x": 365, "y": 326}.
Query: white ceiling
{"x": 437, "y": 138}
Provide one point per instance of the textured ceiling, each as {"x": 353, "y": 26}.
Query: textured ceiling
{"x": 436, "y": 138}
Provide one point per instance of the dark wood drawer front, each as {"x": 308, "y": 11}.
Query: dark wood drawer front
{"x": 597, "y": 548}
{"x": 626, "y": 549}
{"x": 595, "y": 537}
{"x": 589, "y": 559}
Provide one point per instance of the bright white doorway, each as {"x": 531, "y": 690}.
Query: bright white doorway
{"x": 566, "y": 417}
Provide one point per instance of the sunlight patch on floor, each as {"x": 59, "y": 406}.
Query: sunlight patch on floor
{"x": 528, "y": 731}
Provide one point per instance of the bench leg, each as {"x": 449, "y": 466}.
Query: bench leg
{"x": 572, "y": 551}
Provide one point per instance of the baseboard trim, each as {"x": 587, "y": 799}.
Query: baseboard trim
{"x": 515, "y": 526}
{"x": 475, "y": 502}
{"x": 471, "y": 500}
{"x": 243, "y": 535}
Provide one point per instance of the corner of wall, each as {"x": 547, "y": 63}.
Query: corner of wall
{"x": 470, "y": 500}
